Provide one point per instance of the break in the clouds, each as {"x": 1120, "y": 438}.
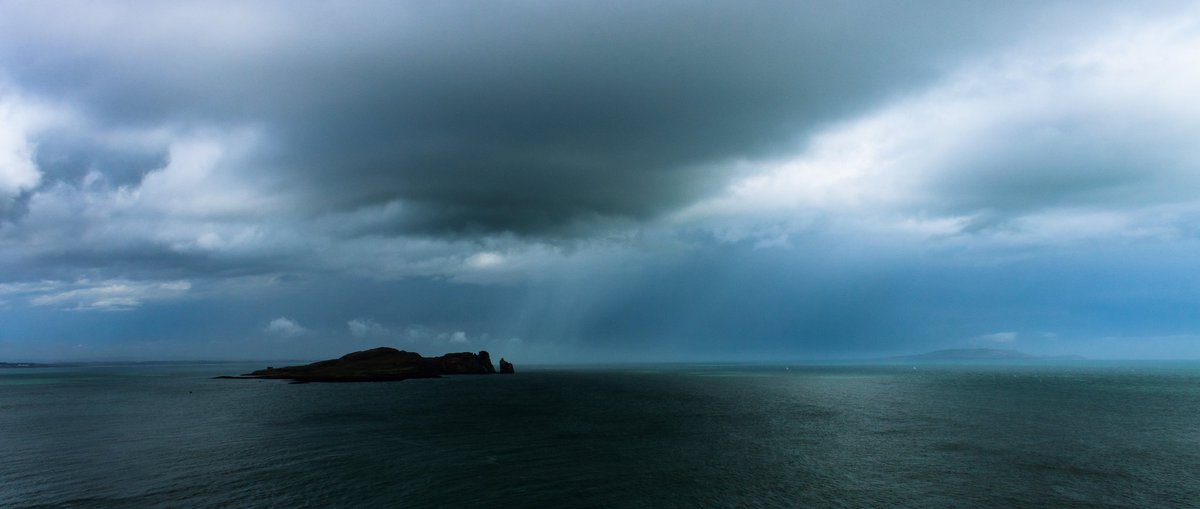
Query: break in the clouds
{"x": 621, "y": 179}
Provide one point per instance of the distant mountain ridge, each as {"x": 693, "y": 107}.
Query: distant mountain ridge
{"x": 979, "y": 354}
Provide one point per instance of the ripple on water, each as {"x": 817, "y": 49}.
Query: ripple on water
{"x": 683, "y": 436}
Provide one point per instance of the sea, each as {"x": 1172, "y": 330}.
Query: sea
{"x": 1072, "y": 434}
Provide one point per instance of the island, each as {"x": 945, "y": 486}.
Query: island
{"x": 383, "y": 364}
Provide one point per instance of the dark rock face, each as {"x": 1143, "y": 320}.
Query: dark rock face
{"x": 506, "y": 367}
{"x": 464, "y": 363}
{"x": 379, "y": 365}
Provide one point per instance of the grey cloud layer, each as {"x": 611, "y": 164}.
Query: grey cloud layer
{"x": 710, "y": 178}
{"x": 486, "y": 117}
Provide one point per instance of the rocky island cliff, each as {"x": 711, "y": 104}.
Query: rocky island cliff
{"x": 381, "y": 365}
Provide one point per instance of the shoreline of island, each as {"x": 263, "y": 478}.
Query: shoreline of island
{"x": 382, "y": 364}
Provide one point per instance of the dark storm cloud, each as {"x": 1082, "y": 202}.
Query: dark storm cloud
{"x": 486, "y": 117}
{"x": 597, "y": 180}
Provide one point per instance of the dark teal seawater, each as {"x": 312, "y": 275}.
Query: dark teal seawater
{"x": 1083, "y": 435}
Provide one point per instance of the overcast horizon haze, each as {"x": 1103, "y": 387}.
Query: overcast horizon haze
{"x": 562, "y": 182}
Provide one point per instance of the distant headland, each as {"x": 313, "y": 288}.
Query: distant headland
{"x": 33, "y": 365}
{"x": 980, "y": 354}
{"x": 383, "y": 364}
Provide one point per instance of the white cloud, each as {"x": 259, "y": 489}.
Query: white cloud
{"x": 366, "y": 327}
{"x": 1089, "y": 135}
{"x": 485, "y": 259}
{"x": 459, "y": 337}
{"x": 203, "y": 203}
{"x": 18, "y": 121}
{"x": 285, "y": 327}
{"x": 17, "y": 171}
{"x": 84, "y": 294}
{"x": 205, "y": 178}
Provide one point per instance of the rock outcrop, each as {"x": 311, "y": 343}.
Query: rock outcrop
{"x": 506, "y": 367}
{"x": 465, "y": 363}
{"x": 380, "y": 365}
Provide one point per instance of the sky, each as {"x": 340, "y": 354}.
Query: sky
{"x": 567, "y": 181}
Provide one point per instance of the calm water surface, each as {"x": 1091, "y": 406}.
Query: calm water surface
{"x": 1082, "y": 435}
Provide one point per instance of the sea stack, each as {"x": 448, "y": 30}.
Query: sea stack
{"x": 506, "y": 368}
